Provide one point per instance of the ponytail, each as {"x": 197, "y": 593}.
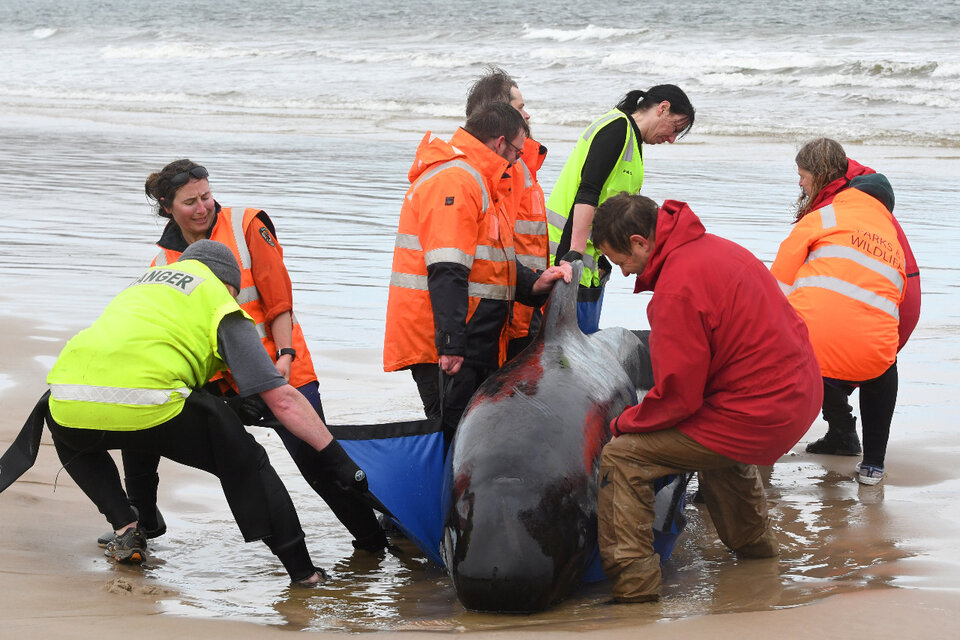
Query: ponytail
{"x": 680, "y": 104}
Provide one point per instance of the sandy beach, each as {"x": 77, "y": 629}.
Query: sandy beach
{"x": 856, "y": 561}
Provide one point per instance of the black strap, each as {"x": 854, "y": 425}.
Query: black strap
{"x": 22, "y": 454}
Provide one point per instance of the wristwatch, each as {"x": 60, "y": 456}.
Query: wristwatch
{"x": 287, "y": 351}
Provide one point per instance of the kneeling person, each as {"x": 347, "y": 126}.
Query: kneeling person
{"x": 133, "y": 380}
{"x": 736, "y": 384}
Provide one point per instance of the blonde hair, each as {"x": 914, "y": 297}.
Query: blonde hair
{"x": 826, "y": 161}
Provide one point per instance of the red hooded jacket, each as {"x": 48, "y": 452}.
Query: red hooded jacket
{"x": 910, "y": 306}
{"x": 732, "y": 362}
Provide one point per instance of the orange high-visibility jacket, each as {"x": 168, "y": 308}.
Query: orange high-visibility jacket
{"x": 231, "y": 231}
{"x": 530, "y": 229}
{"x": 454, "y": 265}
{"x": 845, "y": 270}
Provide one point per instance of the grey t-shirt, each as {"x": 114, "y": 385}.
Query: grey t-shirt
{"x": 243, "y": 352}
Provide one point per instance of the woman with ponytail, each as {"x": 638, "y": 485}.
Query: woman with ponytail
{"x": 607, "y": 160}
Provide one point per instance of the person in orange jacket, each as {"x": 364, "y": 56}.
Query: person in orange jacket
{"x": 526, "y": 204}
{"x": 181, "y": 191}
{"x": 845, "y": 268}
{"x": 455, "y": 273}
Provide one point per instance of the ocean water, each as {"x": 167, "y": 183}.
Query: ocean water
{"x": 885, "y": 72}
{"x": 312, "y": 111}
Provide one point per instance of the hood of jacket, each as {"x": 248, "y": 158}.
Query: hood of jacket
{"x": 433, "y": 151}
{"x": 829, "y": 192}
{"x": 534, "y": 154}
{"x": 677, "y": 225}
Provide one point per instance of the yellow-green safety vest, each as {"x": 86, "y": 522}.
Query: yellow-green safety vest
{"x": 156, "y": 342}
{"x": 627, "y": 175}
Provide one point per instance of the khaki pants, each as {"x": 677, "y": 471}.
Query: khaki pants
{"x": 630, "y": 463}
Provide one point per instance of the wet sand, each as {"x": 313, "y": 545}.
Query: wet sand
{"x": 855, "y": 560}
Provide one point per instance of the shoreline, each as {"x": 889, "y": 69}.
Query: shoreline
{"x": 47, "y": 549}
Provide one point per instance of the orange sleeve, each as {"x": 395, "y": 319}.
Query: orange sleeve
{"x": 793, "y": 252}
{"x": 269, "y": 273}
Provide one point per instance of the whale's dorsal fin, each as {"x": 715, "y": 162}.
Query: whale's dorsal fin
{"x": 560, "y": 313}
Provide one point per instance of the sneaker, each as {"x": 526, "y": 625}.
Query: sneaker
{"x": 130, "y": 547}
{"x": 868, "y": 474}
{"x": 149, "y": 532}
{"x": 834, "y": 444}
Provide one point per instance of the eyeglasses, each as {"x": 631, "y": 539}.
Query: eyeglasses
{"x": 515, "y": 148}
{"x": 183, "y": 177}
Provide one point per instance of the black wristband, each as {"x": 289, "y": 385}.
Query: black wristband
{"x": 572, "y": 256}
{"x": 287, "y": 351}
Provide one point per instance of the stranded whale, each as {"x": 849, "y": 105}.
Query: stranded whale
{"x": 521, "y": 522}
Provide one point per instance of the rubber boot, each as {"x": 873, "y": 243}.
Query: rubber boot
{"x": 841, "y": 440}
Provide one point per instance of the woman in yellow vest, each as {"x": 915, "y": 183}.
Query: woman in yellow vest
{"x": 608, "y": 159}
{"x": 134, "y": 380}
{"x": 181, "y": 193}
{"x": 843, "y": 268}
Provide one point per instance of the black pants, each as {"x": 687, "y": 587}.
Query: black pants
{"x": 206, "y": 435}
{"x": 457, "y": 391}
{"x": 141, "y": 479}
{"x": 878, "y": 399}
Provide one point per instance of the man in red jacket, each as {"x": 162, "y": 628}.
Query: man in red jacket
{"x": 736, "y": 384}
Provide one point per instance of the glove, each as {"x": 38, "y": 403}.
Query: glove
{"x": 341, "y": 469}
{"x": 250, "y": 409}
{"x": 572, "y": 256}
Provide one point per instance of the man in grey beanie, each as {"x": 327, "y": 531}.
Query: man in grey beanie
{"x": 217, "y": 257}
{"x": 133, "y": 381}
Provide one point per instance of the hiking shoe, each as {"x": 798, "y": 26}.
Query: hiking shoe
{"x": 868, "y": 474}
{"x": 130, "y": 547}
{"x": 835, "y": 444}
{"x": 150, "y": 530}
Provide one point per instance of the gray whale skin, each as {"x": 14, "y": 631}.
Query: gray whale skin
{"x": 521, "y": 476}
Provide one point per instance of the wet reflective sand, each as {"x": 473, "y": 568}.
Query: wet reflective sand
{"x": 835, "y": 538}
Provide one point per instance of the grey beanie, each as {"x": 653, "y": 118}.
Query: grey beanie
{"x": 218, "y": 258}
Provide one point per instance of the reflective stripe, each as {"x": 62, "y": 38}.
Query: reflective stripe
{"x": 530, "y": 227}
{"x": 489, "y": 291}
{"x": 408, "y": 281}
{"x": 828, "y": 217}
{"x": 449, "y": 165}
{"x": 248, "y": 294}
{"x": 474, "y": 289}
{"x": 239, "y": 238}
{"x": 161, "y": 259}
{"x": 115, "y": 395}
{"x": 453, "y": 255}
{"x": 527, "y": 176}
{"x": 536, "y": 263}
{"x": 556, "y": 219}
{"x": 495, "y": 254}
{"x": 849, "y": 253}
{"x": 628, "y": 151}
{"x": 407, "y": 241}
{"x": 261, "y": 330}
{"x": 456, "y": 256}
{"x": 589, "y": 262}
{"x": 599, "y": 123}
{"x": 849, "y": 290}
